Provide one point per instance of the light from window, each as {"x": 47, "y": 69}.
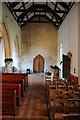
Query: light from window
{"x": 60, "y": 51}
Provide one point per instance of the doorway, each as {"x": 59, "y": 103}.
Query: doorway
{"x": 38, "y": 64}
{"x": 66, "y": 66}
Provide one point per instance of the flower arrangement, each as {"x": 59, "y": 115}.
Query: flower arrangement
{"x": 54, "y": 70}
{"x": 55, "y": 67}
{"x": 51, "y": 66}
{"x": 8, "y": 64}
{"x": 8, "y": 60}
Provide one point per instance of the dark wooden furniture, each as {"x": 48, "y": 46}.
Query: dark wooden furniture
{"x": 8, "y": 102}
{"x": 38, "y": 64}
{"x": 71, "y": 116}
{"x": 14, "y": 86}
{"x": 66, "y": 66}
{"x": 14, "y": 79}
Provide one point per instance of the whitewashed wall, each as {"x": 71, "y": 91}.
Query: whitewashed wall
{"x": 79, "y": 41}
{"x": 38, "y": 38}
{"x": 13, "y": 30}
{"x": 68, "y": 34}
{"x": 1, "y": 60}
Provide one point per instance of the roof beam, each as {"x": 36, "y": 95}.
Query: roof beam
{"x": 39, "y": 10}
{"x": 54, "y": 9}
{"x": 24, "y": 21}
{"x": 48, "y": 9}
{"x": 38, "y": 21}
{"x": 64, "y": 5}
{"x": 14, "y": 4}
{"x": 25, "y": 12}
{"x": 12, "y": 12}
{"x": 22, "y": 10}
{"x": 54, "y": 23}
{"x": 57, "y": 6}
{"x": 54, "y": 14}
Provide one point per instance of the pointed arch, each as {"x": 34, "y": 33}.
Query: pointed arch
{"x": 6, "y": 41}
{"x": 17, "y": 40}
{"x": 16, "y": 43}
{"x": 38, "y": 64}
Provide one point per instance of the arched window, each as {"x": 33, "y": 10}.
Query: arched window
{"x": 16, "y": 43}
{"x": 2, "y": 63}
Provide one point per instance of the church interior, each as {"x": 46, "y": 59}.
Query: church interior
{"x": 39, "y": 63}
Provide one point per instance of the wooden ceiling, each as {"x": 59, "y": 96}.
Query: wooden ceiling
{"x": 42, "y": 12}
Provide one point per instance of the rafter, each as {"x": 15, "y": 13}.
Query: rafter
{"x": 14, "y": 4}
{"x": 47, "y": 10}
{"x": 64, "y": 5}
{"x": 24, "y": 9}
{"x": 54, "y": 14}
{"x": 52, "y": 21}
{"x": 8, "y": 5}
{"x": 24, "y": 13}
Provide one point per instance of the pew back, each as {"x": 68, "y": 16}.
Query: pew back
{"x": 14, "y": 79}
{"x": 16, "y": 87}
{"x": 8, "y": 102}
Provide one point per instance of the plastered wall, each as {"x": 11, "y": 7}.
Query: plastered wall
{"x": 68, "y": 35}
{"x": 1, "y": 60}
{"x": 79, "y": 41}
{"x": 38, "y": 38}
{"x": 13, "y": 31}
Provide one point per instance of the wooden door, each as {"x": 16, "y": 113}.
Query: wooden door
{"x": 66, "y": 66}
{"x": 38, "y": 64}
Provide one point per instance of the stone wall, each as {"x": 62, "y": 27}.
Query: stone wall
{"x": 38, "y": 38}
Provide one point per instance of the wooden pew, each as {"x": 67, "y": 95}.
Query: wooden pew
{"x": 73, "y": 80}
{"x": 71, "y": 116}
{"x": 8, "y": 102}
{"x": 21, "y": 76}
{"x": 13, "y": 79}
{"x": 6, "y": 117}
{"x": 16, "y": 87}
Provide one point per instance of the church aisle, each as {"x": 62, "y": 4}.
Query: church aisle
{"x": 34, "y": 104}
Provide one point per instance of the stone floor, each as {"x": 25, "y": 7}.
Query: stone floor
{"x": 34, "y": 104}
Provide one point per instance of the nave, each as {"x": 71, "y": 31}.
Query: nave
{"x": 34, "y": 103}
{"x": 47, "y": 100}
